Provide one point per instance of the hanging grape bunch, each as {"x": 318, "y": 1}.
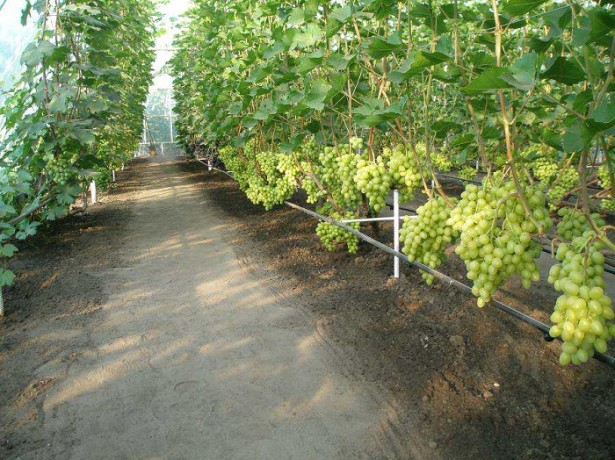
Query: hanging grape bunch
{"x": 607, "y": 203}
{"x": 583, "y": 314}
{"x": 496, "y": 235}
{"x": 426, "y": 237}
{"x": 331, "y": 235}
{"x": 374, "y": 180}
{"x": 574, "y": 223}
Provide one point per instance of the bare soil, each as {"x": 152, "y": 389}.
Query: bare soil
{"x": 450, "y": 380}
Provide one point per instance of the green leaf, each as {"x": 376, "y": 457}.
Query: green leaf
{"x": 296, "y": 17}
{"x": 540, "y": 45}
{"x": 565, "y": 71}
{"x": 84, "y": 136}
{"x": 487, "y": 81}
{"x": 415, "y": 64}
{"x": 372, "y": 112}
{"x": 378, "y": 48}
{"x": 522, "y": 73}
{"x": 605, "y": 111}
{"x": 265, "y": 110}
{"x": 57, "y": 103}
{"x": 317, "y": 94}
{"x": 7, "y": 250}
{"x": 312, "y": 35}
{"x": 6, "y": 277}
{"x": 341, "y": 14}
{"x": 602, "y": 24}
{"x": 576, "y": 138}
{"x": 520, "y": 7}
{"x": 340, "y": 61}
{"x": 278, "y": 47}
{"x": 6, "y": 209}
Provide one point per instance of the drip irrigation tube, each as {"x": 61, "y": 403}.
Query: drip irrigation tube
{"x": 604, "y": 358}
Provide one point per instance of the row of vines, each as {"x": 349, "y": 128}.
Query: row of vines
{"x": 347, "y": 100}
{"x": 76, "y": 111}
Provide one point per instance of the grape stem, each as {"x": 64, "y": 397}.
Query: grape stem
{"x": 319, "y": 184}
{"x": 584, "y": 194}
{"x": 506, "y": 121}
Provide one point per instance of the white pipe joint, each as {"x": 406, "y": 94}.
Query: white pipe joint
{"x": 396, "y": 231}
{"x": 93, "y": 192}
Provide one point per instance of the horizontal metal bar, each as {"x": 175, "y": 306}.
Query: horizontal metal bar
{"x": 376, "y": 219}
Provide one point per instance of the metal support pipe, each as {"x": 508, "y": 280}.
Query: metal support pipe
{"x": 396, "y": 232}
{"x": 93, "y": 191}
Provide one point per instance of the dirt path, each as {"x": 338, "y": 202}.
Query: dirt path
{"x": 192, "y": 356}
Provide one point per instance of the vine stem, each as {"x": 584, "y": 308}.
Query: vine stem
{"x": 319, "y": 184}
{"x": 584, "y": 194}
{"x": 506, "y": 121}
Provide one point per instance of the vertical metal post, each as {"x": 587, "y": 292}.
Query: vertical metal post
{"x": 113, "y": 175}
{"x": 396, "y": 231}
{"x": 93, "y": 192}
{"x": 1, "y": 303}
{"x": 170, "y": 114}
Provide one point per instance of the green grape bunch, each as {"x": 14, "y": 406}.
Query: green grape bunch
{"x": 583, "y": 313}
{"x": 61, "y": 169}
{"x": 426, "y": 236}
{"x": 545, "y": 170}
{"x": 608, "y": 202}
{"x": 331, "y": 235}
{"x": 496, "y": 235}
{"x": 466, "y": 172}
{"x": 404, "y": 170}
{"x": 574, "y": 223}
{"x": 568, "y": 179}
{"x": 374, "y": 180}
{"x": 395, "y": 168}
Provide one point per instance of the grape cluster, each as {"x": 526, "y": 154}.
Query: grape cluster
{"x": 331, "y": 235}
{"x": 267, "y": 178}
{"x": 395, "y": 168}
{"x": 466, "y": 172}
{"x": 404, "y": 171}
{"x": 496, "y": 235}
{"x": 568, "y": 179}
{"x": 574, "y": 223}
{"x": 374, "y": 180}
{"x": 583, "y": 311}
{"x": 545, "y": 170}
{"x": 608, "y": 203}
{"x": 60, "y": 169}
{"x": 603, "y": 175}
{"x": 441, "y": 161}
{"x": 425, "y": 237}
{"x": 270, "y": 186}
